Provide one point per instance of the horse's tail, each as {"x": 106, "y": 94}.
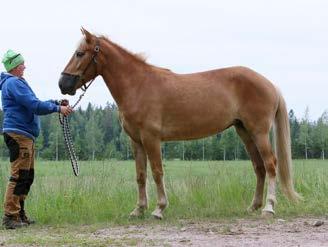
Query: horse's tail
{"x": 283, "y": 150}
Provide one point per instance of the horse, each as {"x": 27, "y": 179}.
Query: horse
{"x": 156, "y": 104}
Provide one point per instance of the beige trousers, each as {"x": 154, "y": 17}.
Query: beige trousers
{"x": 21, "y": 150}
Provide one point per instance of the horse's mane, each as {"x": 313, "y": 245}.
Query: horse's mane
{"x": 139, "y": 57}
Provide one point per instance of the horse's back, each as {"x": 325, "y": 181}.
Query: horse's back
{"x": 229, "y": 88}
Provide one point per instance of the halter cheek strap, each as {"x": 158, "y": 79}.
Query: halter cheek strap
{"x": 96, "y": 50}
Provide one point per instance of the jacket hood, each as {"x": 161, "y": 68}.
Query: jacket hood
{"x": 3, "y": 77}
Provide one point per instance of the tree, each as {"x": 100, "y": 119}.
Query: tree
{"x": 294, "y": 134}
{"x": 97, "y": 134}
{"x": 93, "y": 134}
{"x": 304, "y": 132}
{"x": 39, "y": 145}
{"x": 125, "y": 146}
{"x": 230, "y": 144}
{"x": 321, "y": 134}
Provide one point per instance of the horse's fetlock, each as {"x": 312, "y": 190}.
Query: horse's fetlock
{"x": 257, "y": 205}
{"x": 162, "y": 204}
{"x": 142, "y": 205}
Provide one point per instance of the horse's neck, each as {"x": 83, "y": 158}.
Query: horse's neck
{"x": 122, "y": 75}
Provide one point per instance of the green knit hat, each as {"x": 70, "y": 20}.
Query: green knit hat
{"x": 12, "y": 59}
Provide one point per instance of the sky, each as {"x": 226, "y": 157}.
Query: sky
{"x": 286, "y": 41}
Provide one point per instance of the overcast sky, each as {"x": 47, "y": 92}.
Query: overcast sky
{"x": 286, "y": 41}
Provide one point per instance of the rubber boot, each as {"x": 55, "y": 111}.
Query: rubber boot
{"x": 23, "y": 216}
{"x": 12, "y": 222}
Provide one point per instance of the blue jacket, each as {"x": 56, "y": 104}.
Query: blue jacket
{"x": 21, "y": 107}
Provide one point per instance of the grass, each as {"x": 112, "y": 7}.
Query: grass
{"x": 106, "y": 191}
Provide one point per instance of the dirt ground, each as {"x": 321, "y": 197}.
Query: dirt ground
{"x": 277, "y": 232}
{"x": 243, "y": 232}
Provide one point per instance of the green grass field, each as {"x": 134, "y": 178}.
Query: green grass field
{"x": 106, "y": 191}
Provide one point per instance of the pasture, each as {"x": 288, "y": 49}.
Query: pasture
{"x": 199, "y": 191}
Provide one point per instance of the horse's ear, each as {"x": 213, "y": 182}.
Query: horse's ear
{"x": 88, "y": 36}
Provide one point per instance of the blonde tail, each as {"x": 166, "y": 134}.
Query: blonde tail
{"x": 283, "y": 151}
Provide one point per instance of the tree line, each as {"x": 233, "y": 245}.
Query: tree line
{"x": 98, "y": 135}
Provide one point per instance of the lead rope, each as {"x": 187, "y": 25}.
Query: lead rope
{"x": 63, "y": 120}
{"x": 69, "y": 143}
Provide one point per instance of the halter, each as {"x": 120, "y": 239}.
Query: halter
{"x": 84, "y": 86}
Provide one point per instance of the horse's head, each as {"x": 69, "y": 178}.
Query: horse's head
{"x": 82, "y": 67}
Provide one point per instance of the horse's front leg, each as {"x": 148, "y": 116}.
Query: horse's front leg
{"x": 153, "y": 150}
{"x": 141, "y": 171}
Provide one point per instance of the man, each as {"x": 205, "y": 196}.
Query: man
{"x": 21, "y": 125}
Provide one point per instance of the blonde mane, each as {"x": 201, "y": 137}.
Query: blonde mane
{"x": 139, "y": 57}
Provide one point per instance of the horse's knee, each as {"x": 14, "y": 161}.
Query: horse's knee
{"x": 141, "y": 178}
{"x": 260, "y": 170}
{"x": 271, "y": 170}
{"x": 158, "y": 175}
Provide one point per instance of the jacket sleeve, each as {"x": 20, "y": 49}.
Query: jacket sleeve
{"x": 25, "y": 96}
{"x": 56, "y": 102}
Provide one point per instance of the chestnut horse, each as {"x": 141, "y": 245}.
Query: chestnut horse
{"x": 157, "y": 105}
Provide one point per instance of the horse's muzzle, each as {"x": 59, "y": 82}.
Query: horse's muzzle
{"x": 67, "y": 83}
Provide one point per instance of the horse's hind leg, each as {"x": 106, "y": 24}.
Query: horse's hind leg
{"x": 270, "y": 163}
{"x": 257, "y": 165}
{"x": 141, "y": 170}
{"x": 153, "y": 150}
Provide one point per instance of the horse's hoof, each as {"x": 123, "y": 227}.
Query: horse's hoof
{"x": 251, "y": 210}
{"x": 267, "y": 214}
{"x": 137, "y": 212}
{"x": 157, "y": 214}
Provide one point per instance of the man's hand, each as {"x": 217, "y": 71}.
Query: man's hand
{"x": 65, "y": 110}
{"x": 64, "y": 102}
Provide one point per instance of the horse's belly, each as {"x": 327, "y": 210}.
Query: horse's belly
{"x": 191, "y": 129}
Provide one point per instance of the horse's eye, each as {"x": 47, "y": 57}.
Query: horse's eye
{"x": 79, "y": 53}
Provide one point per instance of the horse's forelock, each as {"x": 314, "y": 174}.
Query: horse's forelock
{"x": 82, "y": 44}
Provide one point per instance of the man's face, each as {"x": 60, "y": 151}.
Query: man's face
{"x": 19, "y": 70}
